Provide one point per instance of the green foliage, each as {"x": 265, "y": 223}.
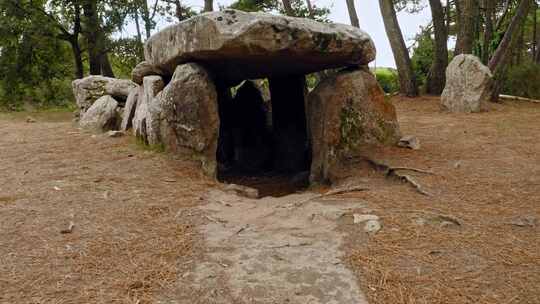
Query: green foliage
{"x": 523, "y": 80}
{"x": 33, "y": 69}
{"x": 422, "y": 57}
{"x": 299, "y": 7}
{"x": 125, "y": 54}
{"x": 388, "y": 79}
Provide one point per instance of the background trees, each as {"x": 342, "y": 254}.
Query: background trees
{"x": 45, "y": 44}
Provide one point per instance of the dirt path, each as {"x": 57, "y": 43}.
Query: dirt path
{"x": 274, "y": 250}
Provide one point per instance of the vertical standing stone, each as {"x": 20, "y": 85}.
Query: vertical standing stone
{"x": 129, "y": 109}
{"x": 289, "y": 123}
{"x": 189, "y": 115}
{"x": 347, "y": 113}
{"x": 142, "y": 121}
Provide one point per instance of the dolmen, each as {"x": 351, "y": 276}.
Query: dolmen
{"x": 228, "y": 88}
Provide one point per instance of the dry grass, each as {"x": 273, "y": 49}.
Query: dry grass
{"x": 134, "y": 238}
{"x": 488, "y": 167}
{"x": 133, "y": 212}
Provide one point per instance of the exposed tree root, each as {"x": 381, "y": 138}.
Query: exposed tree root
{"x": 341, "y": 190}
{"x": 394, "y": 172}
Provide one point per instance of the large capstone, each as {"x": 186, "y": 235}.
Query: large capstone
{"x": 102, "y": 116}
{"x": 468, "y": 85}
{"x": 236, "y": 45}
{"x": 89, "y": 89}
{"x": 347, "y": 112}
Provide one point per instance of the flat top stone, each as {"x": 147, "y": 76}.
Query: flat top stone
{"x": 236, "y": 45}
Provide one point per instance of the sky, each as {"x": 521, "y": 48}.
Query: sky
{"x": 370, "y": 21}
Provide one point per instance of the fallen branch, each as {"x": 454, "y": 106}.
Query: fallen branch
{"x": 393, "y": 171}
{"x": 518, "y": 98}
{"x": 333, "y": 192}
{"x": 389, "y": 170}
{"x": 412, "y": 182}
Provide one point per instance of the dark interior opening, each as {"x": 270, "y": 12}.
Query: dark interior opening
{"x": 263, "y": 140}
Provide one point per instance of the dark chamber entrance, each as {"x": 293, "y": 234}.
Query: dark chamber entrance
{"x": 263, "y": 143}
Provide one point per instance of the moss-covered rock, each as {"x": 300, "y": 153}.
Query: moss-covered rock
{"x": 347, "y": 112}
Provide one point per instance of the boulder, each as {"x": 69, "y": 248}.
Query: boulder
{"x": 102, "y": 115}
{"x": 468, "y": 85}
{"x": 238, "y": 45}
{"x": 142, "y": 121}
{"x": 142, "y": 70}
{"x": 189, "y": 115}
{"x": 347, "y": 112}
{"x": 89, "y": 89}
{"x": 129, "y": 109}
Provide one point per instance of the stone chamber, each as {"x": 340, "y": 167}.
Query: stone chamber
{"x": 229, "y": 89}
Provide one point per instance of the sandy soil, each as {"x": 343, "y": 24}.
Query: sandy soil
{"x": 133, "y": 232}
{"x": 144, "y": 222}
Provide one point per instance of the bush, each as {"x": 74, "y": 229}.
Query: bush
{"x": 388, "y": 79}
{"x": 523, "y": 80}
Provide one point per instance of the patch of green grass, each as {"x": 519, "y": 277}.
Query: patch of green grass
{"x": 143, "y": 145}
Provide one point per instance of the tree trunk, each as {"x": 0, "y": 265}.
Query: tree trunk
{"x": 92, "y": 36}
{"x": 505, "y": 11}
{"x": 448, "y": 12}
{"x": 520, "y": 45}
{"x": 503, "y": 54}
{"x": 488, "y": 29}
{"x": 437, "y": 74}
{"x": 311, "y": 13}
{"x": 399, "y": 49}
{"x": 352, "y": 13}
{"x": 466, "y": 19}
{"x": 106, "y": 68}
{"x": 147, "y": 16}
{"x": 288, "y": 8}
{"x": 535, "y": 32}
{"x": 77, "y": 56}
{"x": 139, "y": 35}
{"x": 74, "y": 41}
{"x": 208, "y": 5}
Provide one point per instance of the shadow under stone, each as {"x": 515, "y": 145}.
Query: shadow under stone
{"x": 264, "y": 143}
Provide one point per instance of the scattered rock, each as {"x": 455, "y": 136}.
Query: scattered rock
{"x": 437, "y": 219}
{"x": 69, "y": 229}
{"x": 468, "y": 85}
{"x": 372, "y": 223}
{"x": 524, "y": 221}
{"x": 102, "y": 115}
{"x": 89, "y": 89}
{"x": 372, "y": 226}
{"x": 241, "y": 45}
{"x": 115, "y": 133}
{"x": 409, "y": 141}
{"x": 346, "y": 112}
{"x": 360, "y": 218}
{"x": 242, "y": 191}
